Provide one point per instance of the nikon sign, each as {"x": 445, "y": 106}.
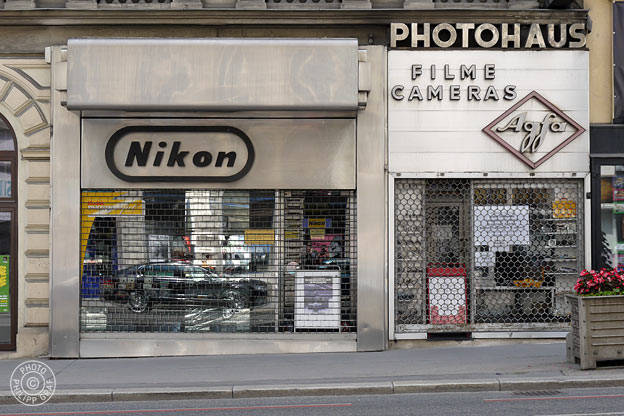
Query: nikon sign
{"x": 218, "y": 153}
{"x": 488, "y": 35}
{"x": 179, "y": 154}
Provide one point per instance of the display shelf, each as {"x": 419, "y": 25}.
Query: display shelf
{"x": 556, "y": 219}
{"x": 514, "y": 288}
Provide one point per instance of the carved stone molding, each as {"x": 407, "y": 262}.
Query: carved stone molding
{"x": 16, "y": 100}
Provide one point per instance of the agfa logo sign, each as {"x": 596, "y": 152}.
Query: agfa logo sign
{"x": 534, "y": 130}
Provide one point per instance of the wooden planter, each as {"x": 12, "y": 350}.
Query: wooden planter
{"x": 597, "y": 330}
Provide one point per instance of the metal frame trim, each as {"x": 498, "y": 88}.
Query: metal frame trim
{"x": 391, "y": 263}
{"x": 490, "y": 175}
{"x": 153, "y": 347}
{"x": 494, "y": 335}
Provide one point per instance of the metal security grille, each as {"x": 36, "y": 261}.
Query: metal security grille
{"x": 478, "y": 255}
{"x": 218, "y": 261}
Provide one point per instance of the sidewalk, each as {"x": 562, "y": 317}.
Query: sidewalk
{"x": 535, "y": 366}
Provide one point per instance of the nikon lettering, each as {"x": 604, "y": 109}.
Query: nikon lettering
{"x": 179, "y": 154}
{"x": 140, "y": 153}
{"x": 488, "y": 35}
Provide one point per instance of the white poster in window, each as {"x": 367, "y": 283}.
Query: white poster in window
{"x": 317, "y": 299}
{"x": 159, "y": 248}
{"x": 501, "y": 225}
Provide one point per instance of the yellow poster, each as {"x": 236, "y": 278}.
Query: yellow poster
{"x": 317, "y": 233}
{"x": 105, "y": 204}
{"x": 317, "y": 222}
{"x": 259, "y": 237}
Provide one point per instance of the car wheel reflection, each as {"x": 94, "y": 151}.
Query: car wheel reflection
{"x": 137, "y": 302}
{"x": 234, "y": 303}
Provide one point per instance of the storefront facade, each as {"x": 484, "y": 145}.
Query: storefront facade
{"x": 220, "y": 213}
{"x": 256, "y": 182}
{"x": 488, "y": 171}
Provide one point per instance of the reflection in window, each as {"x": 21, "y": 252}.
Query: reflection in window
{"x": 212, "y": 260}
{"x": 612, "y": 216}
{"x": 6, "y": 138}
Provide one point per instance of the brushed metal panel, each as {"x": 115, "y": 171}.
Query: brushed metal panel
{"x": 164, "y": 346}
{"x": 372, "y": 295}
{"x": 64, "y": 228}
{"x": 295, "y": 154}
{"x": 212, "y": 74}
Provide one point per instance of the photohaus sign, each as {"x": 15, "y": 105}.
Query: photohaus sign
{"x": 488, "y": 35}
{"x": 179, "y": 154}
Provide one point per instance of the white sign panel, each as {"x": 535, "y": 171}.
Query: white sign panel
{"x": 488, "y": 111}
{"x": 497, "y": 225}
{"x": 317, "y": 299}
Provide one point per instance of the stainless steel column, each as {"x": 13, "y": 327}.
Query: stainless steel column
{"x": 372, "y": 296}
{"x": 65, "y": 217}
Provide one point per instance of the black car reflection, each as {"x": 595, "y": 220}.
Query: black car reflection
{"x": 182, "y": 284}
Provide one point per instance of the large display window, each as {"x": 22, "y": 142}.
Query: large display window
{"x": 217, "y": 261}
{"x": 476, "y": 255}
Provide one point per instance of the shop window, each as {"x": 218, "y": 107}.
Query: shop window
{"x": 218, "y": 261}
{"x": 8, "y": 238}
{"x": 609, "y": 249}
{"x": 485, "y": 254}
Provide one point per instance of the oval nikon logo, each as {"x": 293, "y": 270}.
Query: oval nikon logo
{"x": 179, "y": 154}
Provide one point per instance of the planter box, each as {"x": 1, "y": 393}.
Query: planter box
{"x": 597, "y": 330}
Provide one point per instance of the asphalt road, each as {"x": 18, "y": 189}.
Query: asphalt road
{"x": 572, "y": 402}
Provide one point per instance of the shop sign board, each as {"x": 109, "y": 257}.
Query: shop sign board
{"x": 179, "y": 154}
{"x": 524, "y": 137}
{"x": 488, "y": 35}
{"x": 222, "y": 153}
{"x": 4, "y": 283}
{"x": 488, "y": 111}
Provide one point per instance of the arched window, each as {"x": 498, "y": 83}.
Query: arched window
{"x": 8, "y": 237}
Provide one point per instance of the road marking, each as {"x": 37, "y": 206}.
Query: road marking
{"x": 522, "y": 399}
{"x": 199, "y": 409}
{"x": 585, "y": 414}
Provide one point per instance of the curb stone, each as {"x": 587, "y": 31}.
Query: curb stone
{"x": 445, "y": 386}
{"x": 327, "y": 389}
{"x": 336, "y": 389}
{"x": 558, "y": 383}
{"x": 173, "y": 393}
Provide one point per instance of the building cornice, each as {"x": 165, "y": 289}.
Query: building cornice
{"x": 272, "y": 17}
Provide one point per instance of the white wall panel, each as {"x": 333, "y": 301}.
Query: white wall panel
{"x": 469, "y": 162}
{"x": 566, "y": 100}
{"x": 446, "y": 135}
{"x": 432, "y": 142}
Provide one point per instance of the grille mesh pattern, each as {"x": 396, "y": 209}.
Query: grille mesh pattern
{"x": 473, "y": 255}
{"x": 218, "y": 261}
